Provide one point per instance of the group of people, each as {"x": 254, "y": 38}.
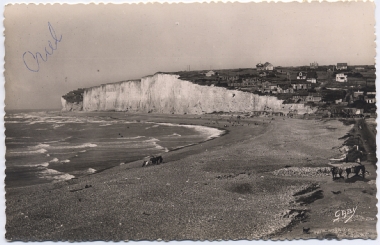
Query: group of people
{"x": 154, "y": 160}
{"x": 359, "y": 169}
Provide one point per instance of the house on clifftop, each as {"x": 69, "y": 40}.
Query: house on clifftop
{"x": 341, "y": 66}
{"x": 311, "y": 77}
{"x": 341, "y": 77}
{"x": 268, "y": 66}
{"x": 210, "y": 73}
{"x": 301, "y": 85}
{"x": 314, "y": 65}
{"x": 301, "y": 75}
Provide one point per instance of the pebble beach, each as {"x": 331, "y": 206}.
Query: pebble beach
{"x": 264, "y": 178}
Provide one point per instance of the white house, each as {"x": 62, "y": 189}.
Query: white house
{"x": 268, "y": 66}
{"x": 314, "y": 65}
{"x": 210, "y": 73}
{"x": 301, "y": 75}
{"x": 341, "y": 66}
{"x": 311, "y": 77}
{"x": 359, "y": 68}
{"x": 358, "y": 93}
{"x": 311, "y": 80}
{"x": 341, "y": 77}
{"x": 370, "y": 99}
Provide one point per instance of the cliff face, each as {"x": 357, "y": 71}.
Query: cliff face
{"x": 71, "y": 106}
{"x": 73, "y": 100}
{"x": 165, "y": 93}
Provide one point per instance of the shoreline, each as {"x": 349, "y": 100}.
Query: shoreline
{"x": 200, "y": 129}
{"x": 226, "y": 183}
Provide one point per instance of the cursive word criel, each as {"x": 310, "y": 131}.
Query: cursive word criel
{"x": 32, "y": 61}
{"x": 344, "y": 214}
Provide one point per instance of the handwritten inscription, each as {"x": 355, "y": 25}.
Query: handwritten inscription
{"x": 32, "y": 61}
{"x": 343, "y": 214}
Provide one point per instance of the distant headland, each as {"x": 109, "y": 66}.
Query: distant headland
{"x": 328, "y": 91}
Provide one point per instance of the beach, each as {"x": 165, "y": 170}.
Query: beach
{"x": 264, "y": 178}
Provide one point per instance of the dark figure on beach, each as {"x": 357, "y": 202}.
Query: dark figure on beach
{"x": 356, "y": 170}
{"x": 305, "y": 230}
{"x": 145, "y": 163}
{"x": 335, "y": 171}
{"x": 157, "y": 160}
{"x": 154, "y": 160}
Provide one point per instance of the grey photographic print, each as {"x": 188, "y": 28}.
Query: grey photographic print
{"x": 197, "y": 121}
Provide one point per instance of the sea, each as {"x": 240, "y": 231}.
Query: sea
{"x": 50, "y": 146}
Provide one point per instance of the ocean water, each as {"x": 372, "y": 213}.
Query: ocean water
{"x": 48, "y": 146}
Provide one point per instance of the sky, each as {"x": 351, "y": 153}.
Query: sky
{"x": 93, "y": 44}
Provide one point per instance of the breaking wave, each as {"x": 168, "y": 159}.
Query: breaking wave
{"x": 209, "y": 132}
{"x": 54, "y": 175}
{"x": 131, "y": 138}
{"x": 91, "y": 170}
{"x": 29, "y": 152}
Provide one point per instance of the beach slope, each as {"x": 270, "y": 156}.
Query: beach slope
{"x": 265, "y": 178}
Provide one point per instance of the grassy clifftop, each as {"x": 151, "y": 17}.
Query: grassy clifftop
{"x": 74, "y": 96}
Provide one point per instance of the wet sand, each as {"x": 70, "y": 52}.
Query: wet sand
{"x": 224, "y": 188}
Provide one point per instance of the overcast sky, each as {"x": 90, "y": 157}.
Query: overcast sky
{"x": 96, "y": 44}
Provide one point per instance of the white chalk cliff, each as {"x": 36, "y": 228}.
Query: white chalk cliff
{"x": 71, "y": 106}
{"x": 165, "y": 93}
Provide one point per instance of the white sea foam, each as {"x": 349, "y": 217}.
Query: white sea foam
{"x": 208, "y": 131}
{"x": 54, "y": 175}
{"x": 131, "y": 138}
{"x": 30, "y": 152}
{"x": 65, "y": 161}
{"x": 13, "y": 121}
{"x": 86, "y": 145}
{"x": 83, "y": 151}
{"x": 54, "y": 160}
{"x": 37, "y": 121}
{"x": 103, "y": 125}
{"x": 41, "y": 146}
{"x": 56, "y": 141}
{"x": 45, "y": 164}
{"x": 137, "y": 137}
{"x": 157, "y": 146}
{"x": 153, "y": 141}
{"x": 91, "y": 170}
